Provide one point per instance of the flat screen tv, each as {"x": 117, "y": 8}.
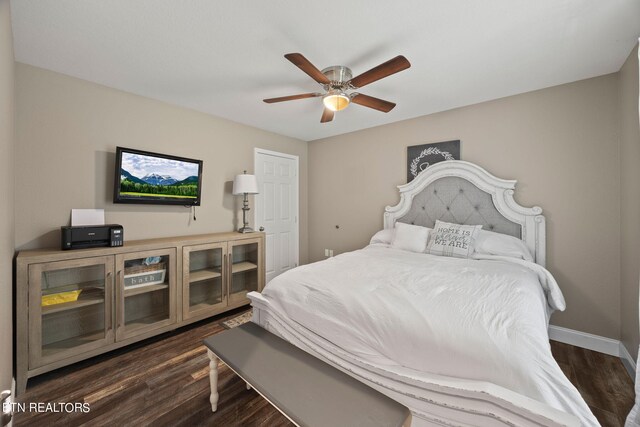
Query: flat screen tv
{"x": 153, "y": 178}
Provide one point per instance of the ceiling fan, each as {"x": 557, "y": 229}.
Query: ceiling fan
{"x": 337, "y": 82}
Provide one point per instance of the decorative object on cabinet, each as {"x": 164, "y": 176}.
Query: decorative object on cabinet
{"x": 245, "y": 184}
{"x": 420, "y": 157}
{"x": 138, "y": 275}
{"x": 126, "y": 294}
{"x": 60, "y": 297}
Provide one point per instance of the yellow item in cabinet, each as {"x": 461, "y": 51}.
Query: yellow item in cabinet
{"x": 60, "y": 297}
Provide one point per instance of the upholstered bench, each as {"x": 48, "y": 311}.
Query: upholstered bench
{"x": 305, "y": 389}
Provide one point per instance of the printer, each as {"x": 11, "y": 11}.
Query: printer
{"x": 91, "y": 236}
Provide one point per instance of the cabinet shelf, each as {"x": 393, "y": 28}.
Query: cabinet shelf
{"x": 87, "y": 297}
{"x": 239, "y": 267}
{"x": 88, "y": 285}
{"x": 204, "y": 305}
{"x": 50, "y": 349}
{"x": 144, "y": 322}
{"x": 204, "y": 274}
{"x": 241, "y": 294}
{"x": 145, "y": 289}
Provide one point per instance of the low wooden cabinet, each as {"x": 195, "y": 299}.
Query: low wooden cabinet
{"x": 72, "y": 305}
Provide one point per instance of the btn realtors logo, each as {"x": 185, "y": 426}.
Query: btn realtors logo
{"x": 54, "y": 407}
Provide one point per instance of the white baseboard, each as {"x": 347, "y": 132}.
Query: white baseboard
{"x": 628, "y": 361}
{"x": 585, "y": 340}
{"x": 596, "y": 343}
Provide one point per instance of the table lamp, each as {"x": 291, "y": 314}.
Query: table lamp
{"x": 245, "y": 184}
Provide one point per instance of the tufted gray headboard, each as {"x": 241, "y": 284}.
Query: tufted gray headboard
{"x": 454, "y": 199}
{"x": 464, "y": 193}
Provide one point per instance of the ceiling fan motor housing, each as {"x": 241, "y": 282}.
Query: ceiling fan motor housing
{"x": 338, "y": 74}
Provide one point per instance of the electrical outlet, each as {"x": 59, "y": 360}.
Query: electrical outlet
{"x": 330, "y": 252}
{"x": 326, "y": 252}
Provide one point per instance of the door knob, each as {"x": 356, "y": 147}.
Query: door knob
{"x": 261, "y": 228}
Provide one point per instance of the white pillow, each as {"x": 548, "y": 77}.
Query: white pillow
{"x": 410, "y": 237}
{"x": 383, "y": 236}
{"x": 453, "y": 240}
{"x": 490, "y": 243}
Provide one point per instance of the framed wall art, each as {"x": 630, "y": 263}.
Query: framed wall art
{"x": 420, "y": 157}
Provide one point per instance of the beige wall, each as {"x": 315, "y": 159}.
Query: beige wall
{"x": 67, "y": 131}
{"x": 629, "y": 201}
{"x": 560, "y": 143}
{"x": 6, "y": 189}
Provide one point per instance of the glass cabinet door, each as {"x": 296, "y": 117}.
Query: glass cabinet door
{"x": 146, "y": 292}
{"x": 69, "y": 308}
{"x": 204, "y": 290}
{"x": 244, "y": 266}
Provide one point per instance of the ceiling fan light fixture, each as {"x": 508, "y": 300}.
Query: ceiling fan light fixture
{"x": 336, "y": 100}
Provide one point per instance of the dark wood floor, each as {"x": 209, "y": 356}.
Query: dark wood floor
{"x": 602, "y": 380}
{"x": 173, "y": 388}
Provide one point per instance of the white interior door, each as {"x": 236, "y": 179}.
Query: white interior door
{"x": 277, "y": 209}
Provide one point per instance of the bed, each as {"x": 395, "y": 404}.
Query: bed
{"x": 460, "y": 342}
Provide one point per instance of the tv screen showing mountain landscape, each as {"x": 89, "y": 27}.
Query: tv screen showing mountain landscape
{"x": 145, "y": 177}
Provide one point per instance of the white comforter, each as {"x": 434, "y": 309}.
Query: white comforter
{"x": 475, "y": 319}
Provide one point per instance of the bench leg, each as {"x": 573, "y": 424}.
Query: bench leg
{"x": 407, "y": 422}
{"x": 213, "y": 380}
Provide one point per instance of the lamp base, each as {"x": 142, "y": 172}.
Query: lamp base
{"x": 245, "y": 230}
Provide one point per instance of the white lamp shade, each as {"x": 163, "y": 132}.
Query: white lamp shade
{"x": 245, "y": 184}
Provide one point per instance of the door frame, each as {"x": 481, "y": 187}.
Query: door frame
{"x": 257, "y": 151}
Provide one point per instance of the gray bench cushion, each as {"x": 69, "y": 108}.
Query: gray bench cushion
{"x": 309, "y": 391}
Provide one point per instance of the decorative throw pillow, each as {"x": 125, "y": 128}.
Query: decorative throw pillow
{"x": 410, "y": 237}
{"x": 490, "y": 243}
{"x": 453, "y": 240}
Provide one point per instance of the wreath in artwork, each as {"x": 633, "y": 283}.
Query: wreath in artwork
{"x": 415, "y": 163}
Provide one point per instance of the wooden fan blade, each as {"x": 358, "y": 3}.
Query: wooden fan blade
{"x": 327, "y": 116}
{"x": 292, "y": 97}
{"x": 371, "y": 102}
{"x": 390, "y": 67}
{"x": 303, "y": 63}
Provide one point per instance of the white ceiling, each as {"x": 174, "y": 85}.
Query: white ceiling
{"x": 224, "y": 57}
